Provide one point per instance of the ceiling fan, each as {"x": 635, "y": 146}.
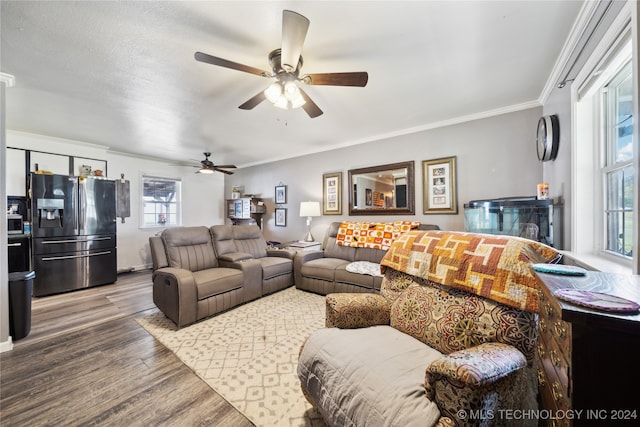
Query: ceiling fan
{"x": 207, "y": 166}
{"x": 285, "y": 65}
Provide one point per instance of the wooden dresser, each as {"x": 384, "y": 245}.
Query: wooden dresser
{"x": 589, "y": 358}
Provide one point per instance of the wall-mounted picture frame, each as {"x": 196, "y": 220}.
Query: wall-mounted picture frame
{"x": 281, "y": 194}
{"x": 281, "y": 217}
{"x": 332, "y": 193}
{"x": 439, "y": 184}
{"x": 368, "y": 197}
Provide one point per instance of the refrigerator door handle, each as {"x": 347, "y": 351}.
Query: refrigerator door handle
{"x": 14, "y": 244}
{"x": 82, "y": 207}
{"x": 54, "y": 258}
{"x": 74, "y": 199}
{"x": 52, "y": 242}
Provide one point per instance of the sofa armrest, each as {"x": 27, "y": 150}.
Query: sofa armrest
{"x": 487, "y": 377}
{"x": 356, "y": 310}
{"x": 283, "y": 253}
{"x": 234, "y": 256}
{"x": 299, "y": 259}
{"x": 252, "y": 276}
{"x": 175, "y": 294}
{"x": 158, "y": 253}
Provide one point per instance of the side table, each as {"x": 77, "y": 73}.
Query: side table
{"x": 302, "y": 246}
{"x": 588, "y": 358}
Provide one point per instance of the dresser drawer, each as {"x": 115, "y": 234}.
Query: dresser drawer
{"x": 552, "y": 327}
{"x": 553, "y": 392}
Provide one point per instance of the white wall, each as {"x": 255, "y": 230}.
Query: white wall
{"x": 558, "y": 172}
{"x": 496, "y": 157}
{"x": 202, "y": 195}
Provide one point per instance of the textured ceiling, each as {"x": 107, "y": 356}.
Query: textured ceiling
{"x": 123, "y": 74}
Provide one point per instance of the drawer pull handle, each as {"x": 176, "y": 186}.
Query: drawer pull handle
{"x": 541, "y": 350}
{"x": 560, "y": 329}
{"x": 541, "y": 378}
{"x": 549, "y": 309}
{"x": 555, "y": 390}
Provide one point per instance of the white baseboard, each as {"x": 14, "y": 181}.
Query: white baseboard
{"x": 6, "y": 345}
{"x": 133, "y": 268}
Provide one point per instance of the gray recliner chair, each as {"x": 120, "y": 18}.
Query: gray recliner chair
{"x": 235, "y": 244}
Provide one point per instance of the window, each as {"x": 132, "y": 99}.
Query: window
{"x": 617, "y": 170}
{"x": 604, "y": 157}
{"x": 161, "y": 201}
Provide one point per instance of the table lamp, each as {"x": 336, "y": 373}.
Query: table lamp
{"x": 309, "y": 209}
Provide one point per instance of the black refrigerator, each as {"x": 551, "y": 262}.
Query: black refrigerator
{"x": 73, "y": 232}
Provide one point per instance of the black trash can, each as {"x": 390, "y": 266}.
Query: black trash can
{"x": 20, "y": 290}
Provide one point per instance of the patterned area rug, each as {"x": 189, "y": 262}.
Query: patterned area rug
{"x": 249, "y": 355}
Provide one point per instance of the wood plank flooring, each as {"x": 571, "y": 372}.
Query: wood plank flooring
{"x": 87, "y": 362}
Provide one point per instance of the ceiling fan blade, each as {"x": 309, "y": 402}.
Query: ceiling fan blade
{"x": 203, "y": 57}
{"x": 226, "y": 166}
{"x": 359, "y": 79}
{"x": 222, "y": 170}
{"x": 294, "y": 31}
{"x": 253, "y": 102}
{"x": 309, "y": 106}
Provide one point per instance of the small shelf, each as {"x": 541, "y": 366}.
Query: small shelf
{"x": 245, "y": 211}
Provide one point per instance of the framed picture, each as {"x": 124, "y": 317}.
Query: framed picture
{"x": 281, "y": 217}
{"x": 332, "y": 193}
{"x": 440, "y": 186}
{"x": 281, "y": 194}
{"x": 368, "y": 197}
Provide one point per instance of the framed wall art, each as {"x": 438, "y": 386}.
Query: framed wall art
{"x": 368, "y": 197}
{"x": 440, "y": 186}
{"x": 281, "y": 194}
{"x": 281, "y": 217}
{"x": 332, "y": 193}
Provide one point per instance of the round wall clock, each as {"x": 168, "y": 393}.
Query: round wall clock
{"x": 548, "y": 137}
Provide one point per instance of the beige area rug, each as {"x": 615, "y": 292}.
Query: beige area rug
{"x": 249, "y": 355}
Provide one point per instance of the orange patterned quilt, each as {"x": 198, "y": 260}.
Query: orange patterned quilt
{"x": 496, "y": 267}
{"x": 376, "y": 235}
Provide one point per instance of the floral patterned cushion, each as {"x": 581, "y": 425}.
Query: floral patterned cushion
{"x": 478, "y": 366}
{"x": 356, "y": 310}
{"x": 395, "y": 282}
{"x": 451, "y": 320}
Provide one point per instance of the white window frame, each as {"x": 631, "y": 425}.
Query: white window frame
{"x": 588, "y": 194}
{"x": 178, "y": 201}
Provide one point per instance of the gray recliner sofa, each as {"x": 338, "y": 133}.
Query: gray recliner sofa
{"x": 325, "y": 271}
{"x": 189, "y": 284}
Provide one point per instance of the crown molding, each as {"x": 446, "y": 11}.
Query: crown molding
{"x": 7, "y": 79}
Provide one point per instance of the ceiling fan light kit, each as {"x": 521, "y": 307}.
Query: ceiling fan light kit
{"x": 286, "y": 63}
{"x": 207, "y": 166}
{"x": 284, "y": 95}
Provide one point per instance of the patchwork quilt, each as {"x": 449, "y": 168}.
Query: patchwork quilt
{"x": 375, "y": 235}
{"x": 496, "y": 267}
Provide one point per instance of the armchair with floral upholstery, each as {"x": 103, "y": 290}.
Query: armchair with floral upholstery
{"x": 450, "y": 340}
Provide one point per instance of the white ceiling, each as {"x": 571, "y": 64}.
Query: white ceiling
{"x": 123, "y": 74}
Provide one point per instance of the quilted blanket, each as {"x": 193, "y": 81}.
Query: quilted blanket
{"x": 496, "y": 267}
{"x": 376, "y": 235}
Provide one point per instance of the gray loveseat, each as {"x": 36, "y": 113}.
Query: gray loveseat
{"x": 200, "y": 271}
{"x": 233, "y": 244}
{"x": 325, "y": 271}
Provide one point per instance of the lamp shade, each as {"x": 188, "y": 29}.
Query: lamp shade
{"x": 310, "y": 209}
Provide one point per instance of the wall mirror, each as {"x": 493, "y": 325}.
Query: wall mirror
{"x": 382, "y": 190}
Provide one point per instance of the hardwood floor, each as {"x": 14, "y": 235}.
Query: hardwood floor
{"x": 87, "y": 362}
